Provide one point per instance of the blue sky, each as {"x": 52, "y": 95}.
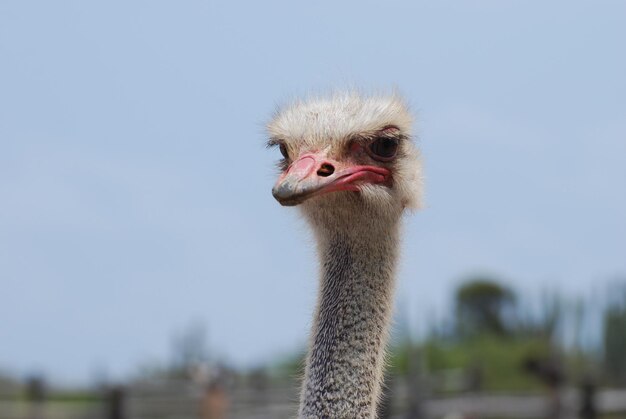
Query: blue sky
{"x": 135, "y": 188}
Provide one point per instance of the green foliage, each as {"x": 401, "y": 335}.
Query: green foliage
{"x": 75, "y": 397}
{"x": 499, "y": 360}
{"x": 480, "y": 307}
{"x": 290, "y": 366}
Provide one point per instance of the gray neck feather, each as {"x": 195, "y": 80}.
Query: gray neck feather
{"x": 345, "y": 362}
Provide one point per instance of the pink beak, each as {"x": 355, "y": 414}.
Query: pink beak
{"x": 314, "y": 174}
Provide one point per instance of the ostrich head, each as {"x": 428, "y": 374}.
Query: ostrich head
{"x": 346, "y": 157}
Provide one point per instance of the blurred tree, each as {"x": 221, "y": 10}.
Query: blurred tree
{"x": 551, "y": 319}
{"x": 189, "y": 350}
{"x": 552, "y": 315}
{"x": 615, "y": 341}
{"x": 481, "y": 306}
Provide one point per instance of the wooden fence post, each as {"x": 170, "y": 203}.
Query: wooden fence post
{"x": 588, "y": 409}
{"x": 116, "y": 403}
{"x": 36, "y": 396}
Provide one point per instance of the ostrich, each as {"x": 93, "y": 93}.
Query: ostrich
{"x": 349, "y": 163}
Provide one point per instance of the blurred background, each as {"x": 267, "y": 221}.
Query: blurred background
{"x": 147, "y": 272}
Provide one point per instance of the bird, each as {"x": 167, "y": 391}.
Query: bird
{"x": 350, "y": 164}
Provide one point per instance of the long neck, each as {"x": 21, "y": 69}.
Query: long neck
{"x": 345, "y": 362}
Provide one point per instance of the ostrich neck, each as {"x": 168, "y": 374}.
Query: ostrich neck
{"x": 344, "y": 366}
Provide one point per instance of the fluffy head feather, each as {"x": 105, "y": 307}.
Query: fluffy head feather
{"x": 330, "y": 124}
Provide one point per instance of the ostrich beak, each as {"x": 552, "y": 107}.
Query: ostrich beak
{"x": 314, "y": 174}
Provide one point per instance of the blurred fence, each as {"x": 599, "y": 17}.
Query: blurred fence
{"x": 184, "y": 400}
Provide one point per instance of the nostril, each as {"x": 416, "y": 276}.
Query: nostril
{"x": 326, "y": 170}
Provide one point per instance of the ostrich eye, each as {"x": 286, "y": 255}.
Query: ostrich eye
{"x": 383, "y": 148}
{"x": 283, "y": 150}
